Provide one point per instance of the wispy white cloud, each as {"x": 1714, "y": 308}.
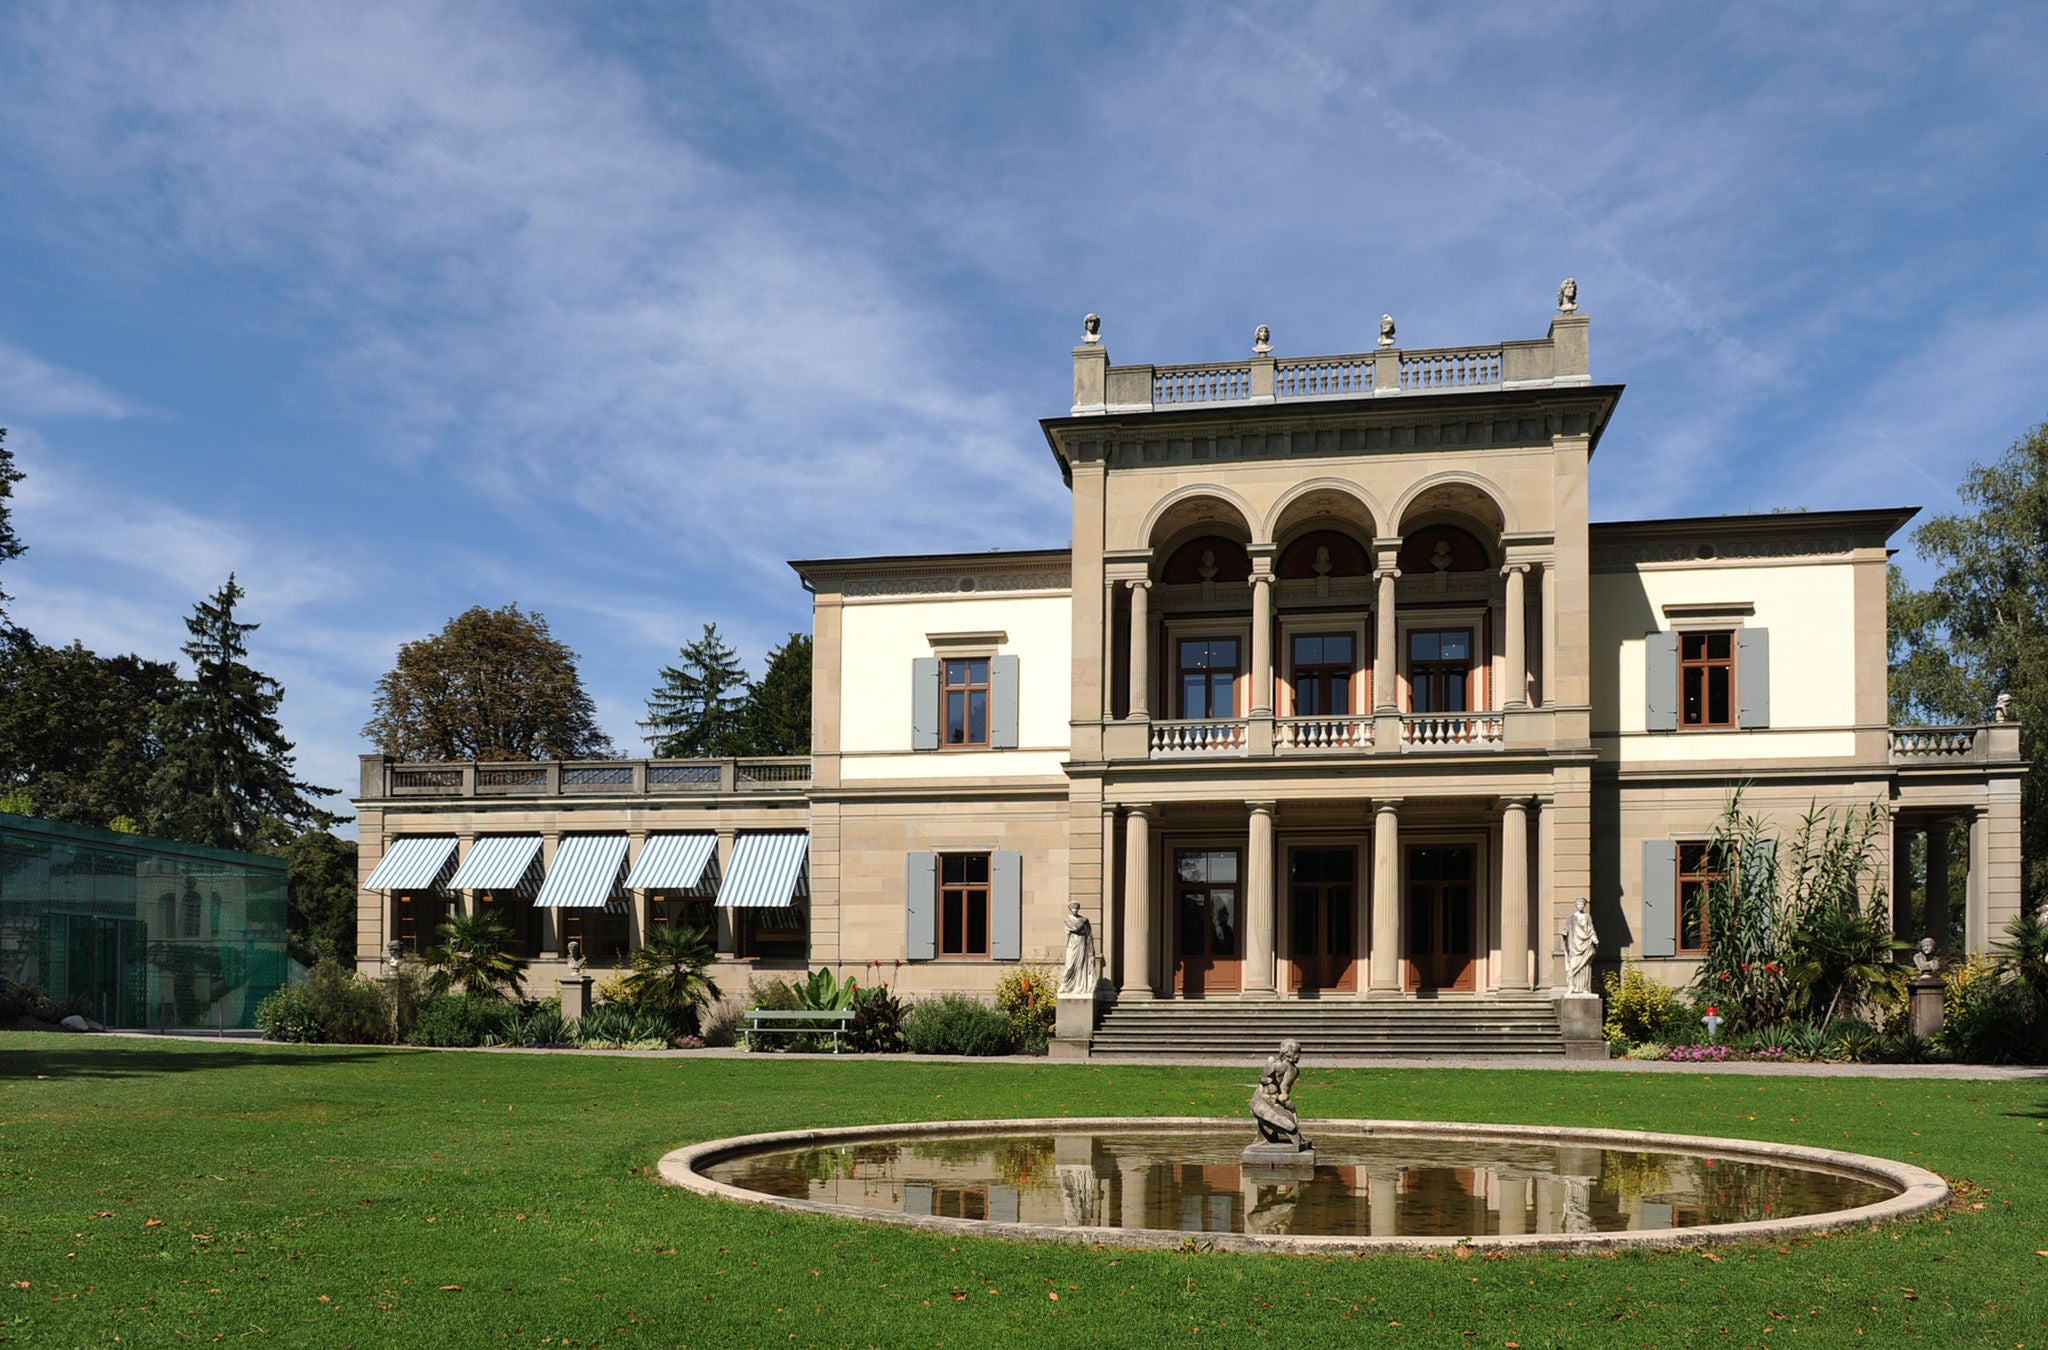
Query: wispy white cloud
{"x": 31, "y": 388}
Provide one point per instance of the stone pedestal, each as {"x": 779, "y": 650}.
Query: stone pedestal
{"x": 1073, "y": 1023}
{"x": 1278, "y": 1160}
{"x": 575, "y": 997}
{"x": 1926, "y": 1006}
{"x": 1578, "y": 1017}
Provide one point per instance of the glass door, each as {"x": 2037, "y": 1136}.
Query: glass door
{"x": 1209, "y": 910}
{"x": 1439, "y": 916}
{"x": 1322, "y": 898}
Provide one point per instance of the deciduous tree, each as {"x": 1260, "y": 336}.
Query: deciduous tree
{"x": 493, "y": 684}
{"x": 320, "y": 917}
{"x": 11, "y": 546}
{"x": 1981, "y": 629}
{"x": 227, "y": 775}
{"x": 78, "y": 733}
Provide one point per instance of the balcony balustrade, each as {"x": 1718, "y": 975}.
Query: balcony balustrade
{"x": 1452, "y": 731}
{"x": 1218, "y": 737}
{"x": 1331, "y": 734}
{"x": 576, "y": 778}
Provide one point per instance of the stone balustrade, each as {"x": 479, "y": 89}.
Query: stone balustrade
{"x": 1208, "y": 736}
{"x": 1452, "y": 731}
{"x": 1322, "y": 733}
{"x": 385, "y": 777}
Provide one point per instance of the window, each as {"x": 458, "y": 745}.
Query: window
{"x": 1699, "y": 868}
{"x": 1439, "y": 670}
{"x": 1323, "y": 668}
{"x": 1706, "y": 679}
{"x": 673, "y": 909}
{"x": 1208, "y": 677}
{"x": 963, "y": 904}
{"x": 966, "y": 691}
{"x": 603, "y": 931}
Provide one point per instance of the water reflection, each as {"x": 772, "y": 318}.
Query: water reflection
{"x": 1362, "y": 1186}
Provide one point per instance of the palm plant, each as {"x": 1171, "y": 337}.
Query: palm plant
{"x": 2023, "y": 958}
{"x": 476, "y": 954}
{"x": 668, "y": 978}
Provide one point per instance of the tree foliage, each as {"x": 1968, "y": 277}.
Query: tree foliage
{"x": 1981, "y": 629}
{"x": 320, "y": 918}
{"x": 493, "y": 684}
{"x": 11, "y": 546}
{"x": 698, "y": 709}
{"x": 78, "y": 731}
{"x": 226, "y": 776}
{"x": 777, "y": 716}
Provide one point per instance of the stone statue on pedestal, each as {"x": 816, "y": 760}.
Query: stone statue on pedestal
{"x": 1580, "y": 943}
{"x": 1077, "y": 975}
{"x": 1280, "y": 1142}
{"x": 1925, "y": 959}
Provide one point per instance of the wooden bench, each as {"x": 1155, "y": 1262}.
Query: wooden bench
{"x": 785, "y": 1022}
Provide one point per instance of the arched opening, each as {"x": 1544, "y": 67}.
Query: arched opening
{"x": 1207, "y": 557}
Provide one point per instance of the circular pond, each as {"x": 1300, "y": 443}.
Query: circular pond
{"x": 1374, "y": 1184}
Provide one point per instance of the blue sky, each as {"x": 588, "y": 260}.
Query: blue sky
{"x": 609, "y": 310}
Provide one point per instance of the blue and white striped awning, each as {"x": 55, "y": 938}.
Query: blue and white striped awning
{"x": 585, "y": 873}
{"x": 496, "y": 862}
{"x": 413, "y": 863}
{"x": 767, "y": 870}
{"x": 672, "y": 862}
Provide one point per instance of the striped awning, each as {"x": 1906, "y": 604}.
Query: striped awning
{"x": 766, "y": 871}
{"x": 672, "y": 862}
{"x": 496, "y": 862}
{"x": 585, "y": 872}
{"x": 413, "y": 863}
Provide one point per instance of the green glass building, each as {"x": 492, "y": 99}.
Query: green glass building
{"x": 148, "y": 933}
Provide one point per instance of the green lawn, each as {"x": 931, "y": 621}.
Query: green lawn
{"x": 154, "y": 1192}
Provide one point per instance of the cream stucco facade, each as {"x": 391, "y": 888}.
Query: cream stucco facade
{"x": 1337, "y": 694}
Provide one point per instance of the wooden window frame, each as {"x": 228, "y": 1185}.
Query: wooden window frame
{"x": 1475, "y": 661}
{"x": 1707, "y": 665}
{"x": 966, "y": 690}
{"x": 1360, "y": 669}
{"x": 966, "y": 893}
{"x": 1693, "y": 883}
{"x": 1238, "y": 673}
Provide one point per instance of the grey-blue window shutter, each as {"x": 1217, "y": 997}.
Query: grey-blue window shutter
{"x": 1659, "y": 935}
{"x": 1006, "y": 907}
{"x": 924, "y": 703}
{"x": 1660, "y": 681}
{"x": 1003, "y": 1204}
{"x": 917, "y": 1199}
{"x": 1002, "y": 702}
{"x": 920, "y": 906}
{"x": 1753, "y": 677}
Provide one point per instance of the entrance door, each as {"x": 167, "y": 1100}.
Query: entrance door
{"x": 1322, "y": 898}
{"x": 1209, "y": 904}
{"x": 1439, "y": 917}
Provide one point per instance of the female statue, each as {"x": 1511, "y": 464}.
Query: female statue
{"x": 1273, "y": 1099}
{"x": 1580, "y": 942}
{"x": 1077, "y": 976}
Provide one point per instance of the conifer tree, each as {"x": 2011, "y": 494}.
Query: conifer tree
{"x": 11, "y": 546}
{"x": 226, "y": 778}
{"x": 697, "y": 711}
{"x": 778, "y": 711}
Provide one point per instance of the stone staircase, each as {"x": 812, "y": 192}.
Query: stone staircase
{"x": 1229, "y": 1028}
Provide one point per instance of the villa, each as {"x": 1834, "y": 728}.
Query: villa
{"x": 1337, "y": 701}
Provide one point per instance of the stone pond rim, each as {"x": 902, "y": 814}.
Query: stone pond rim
{"x": 1919, "y": 1190}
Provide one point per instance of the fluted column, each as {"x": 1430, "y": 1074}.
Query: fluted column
{"x": 1517, "y": 634}
{"x": 1384, "y": 959}
{"x": 1385, "y": 657}
{"x": 1137, "y": 971}
{"x": 1514, "y": 895}
{"x": 1260, "y": 903}
{"x": 1262, "y": 644}
{"x": 1141, "y": 649}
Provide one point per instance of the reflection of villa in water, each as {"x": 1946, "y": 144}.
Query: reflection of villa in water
{"x": 1191, "y": 1182}
{"x": 1337, "y": 695}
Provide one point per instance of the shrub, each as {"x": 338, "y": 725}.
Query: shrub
{"x": 957, "y": 1024}
{"x": 1986, "y": 1020}
{"x": 284, "y": 1016}
{"x": 1638, "y": 1008}
{"x": 1851, "y": 1039}
{"x": 537, "y": 1024}
{"x": 453, "y": 1020}
{"x": 877, "y": 1026}
{"x": 1802, "y": 1040}
{"x": 1030, "y": 995}
{"x": 610, "y": 1026}
{"x": 1647, "y": 1050}
{"x": 668, "y": 980}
